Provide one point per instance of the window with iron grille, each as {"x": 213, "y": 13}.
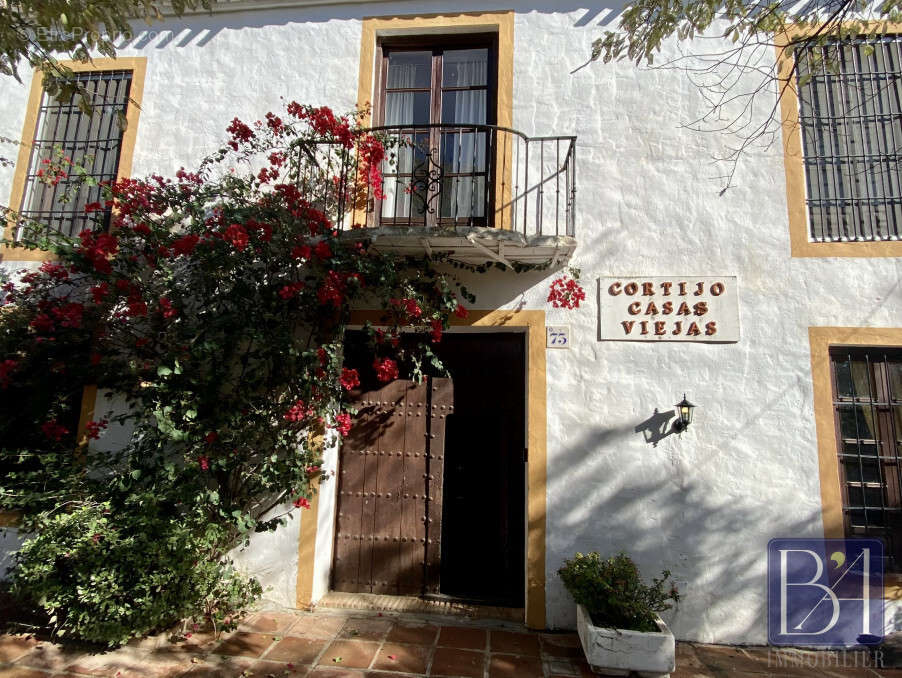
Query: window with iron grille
{"x": 91, "y": 139}
{"x": 851, "y": 124}
{"x": 867, "y": 400}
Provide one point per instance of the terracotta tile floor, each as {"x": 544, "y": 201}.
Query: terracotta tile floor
{"x": 352, "y": 644}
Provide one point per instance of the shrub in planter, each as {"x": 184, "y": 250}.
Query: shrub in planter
{"x": 613, "y": 593}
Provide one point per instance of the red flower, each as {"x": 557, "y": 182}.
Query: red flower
{"x": 136, "y": 306}
{"x": 186, "y": 244}
{"x": 301, "y": 252}
{"x": 296, "y": 412}
{"x": 54, "y": 270}
{"x": 167, "y": 309}
{"x": 386, "y": 369}
{"x": 312, "y": 469}
{"x": 291, "y": 290}
{"x": 302, "y": 502}
{"x": 349, "y": 379}
{"x": 93, "y": 207}
{"x": 6, "y": 367}
{"x": 69, "y": 315}
{"x": 237, "y": 235}
{"x": 239, "y": 132}
{"x": 54, "y": 430}
{"x": 332, "y": 289}
{"x": 42, "y": 323}
{"x": 211, "y": 437}
{"x": 93, "y": 429}
{"x": 322, "y": 250}
{"x": 436, "y": 329}
{"x": 204, "y": 463}
{"x": 566, "y": 293}
{"x": 343, "y": 423}
{"x": 461, "y": 312}
{"x": 99, "y": 292}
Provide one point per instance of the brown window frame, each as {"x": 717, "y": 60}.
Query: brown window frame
{"x": 438, "y": 44}
{"x": 885, "y": 457}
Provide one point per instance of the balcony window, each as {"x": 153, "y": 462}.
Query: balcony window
{"x": 439, "y": 102}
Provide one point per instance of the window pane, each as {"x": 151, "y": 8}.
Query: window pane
{"x": 464, "y": 107}
{"x": 407, "y": 108}
{"x": 463, "y": 152}
{"x": 409, "y": 70}
{"x": 465, "y": 67}
{"x": 857, "y": 421}
{"x": 853, "y": 378}
{"x": 463, "y": 197}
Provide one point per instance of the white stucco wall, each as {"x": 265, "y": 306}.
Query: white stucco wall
{"x": 704, "y": 504}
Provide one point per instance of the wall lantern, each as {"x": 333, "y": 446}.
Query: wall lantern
{"x": 684, "y": 414}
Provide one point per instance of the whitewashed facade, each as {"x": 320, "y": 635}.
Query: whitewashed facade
{"x": 648, "y": 206}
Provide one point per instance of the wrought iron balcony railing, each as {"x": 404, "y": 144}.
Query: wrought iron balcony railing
{"x": 440, "y": 177}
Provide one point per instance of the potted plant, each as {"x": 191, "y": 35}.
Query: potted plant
{"x": 617, "y": 619}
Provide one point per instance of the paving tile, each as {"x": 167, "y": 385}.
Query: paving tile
{"x": 276, "y": 623}
{"x": 462, "y": 637}
{"x": 354, "y": 654}
{"x": 416, "y": 635}
{"x": 725, "y": 658}
{"x": 508, "y": 642}
{"x": 449, "y": 661}
{"x": 296, "y": 650}
{"x": 267, "y": 669}
{"x": 221, "y": 667}
{"x": 515, "y": 666}
{"x": 560, "y": 667}
{"x": 21, "y": 672}
{"x": 13, "y": 647}
{"x": 335, "y": 673}
{"x": 316, "y": 626}
{"x": 245, "y": 644}
{"x": 405, "y": 658}
{"x": 564, "y": 645}
{"x": 50, "y": 657}
{"x": 365, "y": 629}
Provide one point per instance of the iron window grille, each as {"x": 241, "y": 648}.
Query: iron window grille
{"x": 851, "y": 124}
{"x": 867, "y": 400}
{"x": 90, "y": 139}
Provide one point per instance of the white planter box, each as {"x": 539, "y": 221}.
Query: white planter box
{"x": 617, "y": 652}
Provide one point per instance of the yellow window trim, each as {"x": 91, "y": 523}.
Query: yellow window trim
{"x": 536, "y": 440}
{"x": 499, "y": 22}
{"x": 796, "y": 190}
{"x": 138, "y": 66}
{"x": 822, "y": 339}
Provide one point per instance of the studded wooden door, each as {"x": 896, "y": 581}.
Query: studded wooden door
{"x": 389, "y": 521}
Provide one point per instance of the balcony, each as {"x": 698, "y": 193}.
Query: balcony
{"x": 474, "y": 194}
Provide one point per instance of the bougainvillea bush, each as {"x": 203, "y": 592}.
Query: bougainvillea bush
{"x": 214, "y": 303}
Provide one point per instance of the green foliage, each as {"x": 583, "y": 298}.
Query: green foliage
{"x": 107, "y": 577}
{"x": 215, "y": 306}
{"x": 34, "y": 31}
{"x": 645, "y": 24}
{"x": 613, "y": 592}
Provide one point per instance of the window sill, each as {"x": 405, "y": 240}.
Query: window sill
{"x": 888, "y": 248}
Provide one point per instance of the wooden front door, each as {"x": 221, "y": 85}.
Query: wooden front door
{"x": 391, "y": 467}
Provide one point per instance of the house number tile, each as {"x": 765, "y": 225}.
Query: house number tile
{"x": 557, "y": 336}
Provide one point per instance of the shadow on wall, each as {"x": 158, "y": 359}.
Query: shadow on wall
{"x": 710, "y": 531}
{"x": 202, "y": 28}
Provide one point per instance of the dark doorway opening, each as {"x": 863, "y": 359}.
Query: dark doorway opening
{"x": 484, "y": 511}
{"x": 484, "y": 495}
